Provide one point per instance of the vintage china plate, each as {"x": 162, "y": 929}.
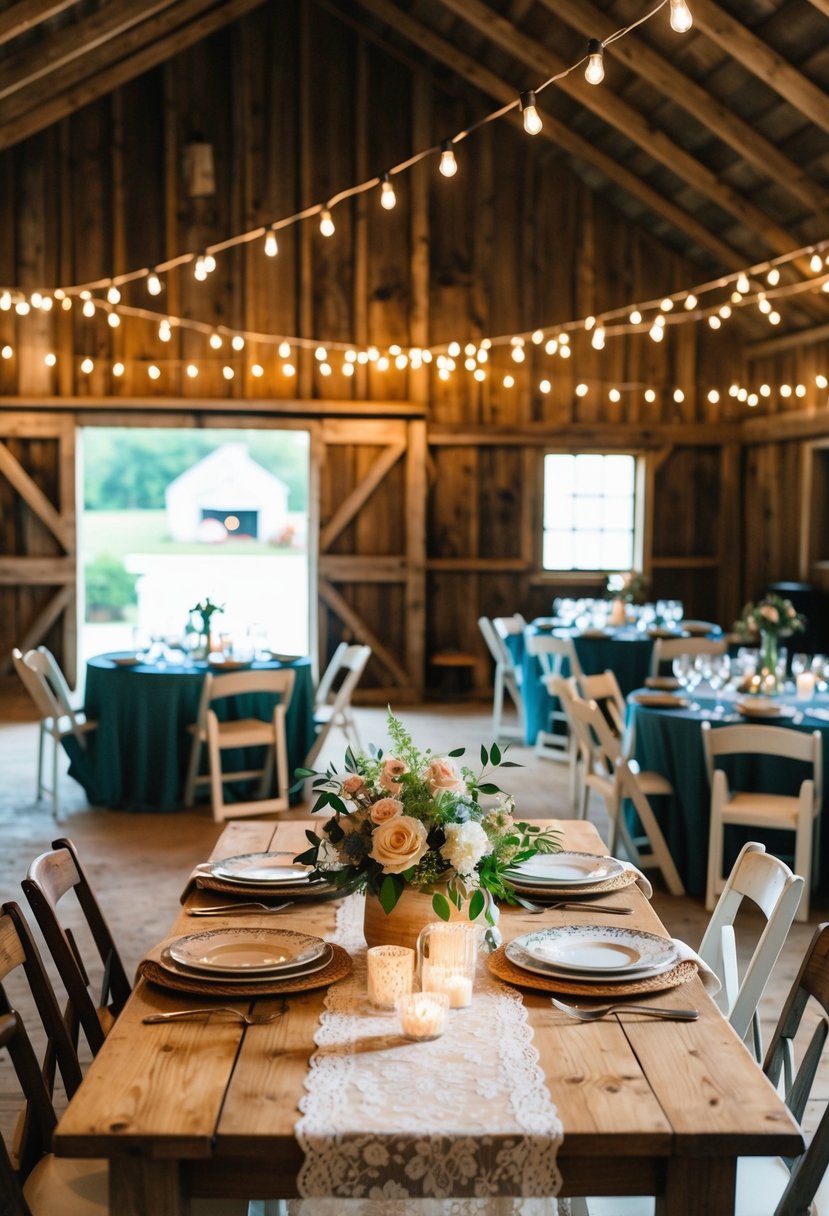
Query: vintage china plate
{"x": 245, "y": 951}
{"x": 266, "y": 869}
{"x": 519, "y": 957}
{"x": 602, "y": 950}
{"x": 561, "y": 869}
{"x": 762, "y": 708}
{"x": 659, "y": 700}
{"x": 168, "y": 963}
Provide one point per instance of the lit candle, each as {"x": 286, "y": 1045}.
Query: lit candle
{"x": 806, "y": 685}
{"x": 422, "y": 1014}
{"x": 390, "y": 974}
{"x": 456, "y": 984}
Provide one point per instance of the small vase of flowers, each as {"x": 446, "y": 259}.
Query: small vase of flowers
{"x": 771, "y": 618}
{"x": 201, "y": 615}
{"x": 421, "y": 835}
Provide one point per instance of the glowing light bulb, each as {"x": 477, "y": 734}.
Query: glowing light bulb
{"x": 401, "y": 361}
{"x": 51, "y": 359}
{"x": 448, "y": 165}
{"x": 679, "y": 396}
{"x": 581, "y": 390}
{"x": 774, "y": 318}
{"x": 636, "y": 317}
{"x": 271, "y": 244}
{"x": 518, "y": 354}
{"x": 725, "y": 311}
{"x": 752, "y": 399}
{"x": 470, "y": 364}
{"x": 532, "y": 119}
{"x": 347, "y": 369}
{"x": 650, "y": 395}
{"x": 800, "y": 390}
{"x": 742, "y": 395}
{"x": 785, "y": 390}
{"x": 443, "y": 374}
{"x": 614, "y": 395}
{"x": 216, "y": 341}
{"x": 713, "y": 396}
{"x": 691, "y": 301}
{"x": 382, "y": 364}
{"x": 118, "y": 369}
{"x": 667, "y": 304}
{"x": 736, "y": 297}
{"x": 46, "y": 303}
{"x": 113, "y": 294}
{"x": 656, "y": 332}
{"x": 537, "y": 337}
{"x": 551, "y": 346}
{"x": 192, "y": 370}
{"x": 479, "y": 374}
{"x": 773, "y": 277}
{"x": 35, "y": 299}
{"x": 589, "y": 322}
{"x": 742, "y": 284}
{"x": 714, "y": 322}
{"x": 22, "y": 308}
{"x": 597, "y": 340}
{"x": 165, "y": 331}
{"x": 821, "y": 381}
{"x": 594, "y": 72}
{"x": 681, "y": 19}
{"x": 326, "y": 223}
{"x": 320, "y": 354}
{"x": 7, "y": 352}
{"x": 764, "y": 305}
{"x": 153, "y": 372}
{"x": 544, "y": 387}
{"x": 237, "y": 342}
{"x": 816, "y": 263}
{"x": 508, "y": 381}
{"x": 228, "y": 372}
{"x": 288, "y": 369}
{"x": 209, "y": 263}
{"x": 66, "y": 303}
{"x": 257, "y": 370}
{"x": 113, "y": 320}
{"x": 453, "y": 349}
{"x": 765, "y": 390}
{"x": 154, "y": 286}
{"x": 284, "y": 350}
{"x": 86, "y": 366}
{"x": 564, "y": 352}
{"x": 564, "y": 339}
{"x": 200, "y": 271}
{"x": 387, "y": 196}
{"x": 5, "y": 301}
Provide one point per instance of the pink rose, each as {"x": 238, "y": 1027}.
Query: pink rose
{"x": 353, "y": 784}
{"x": 398, "y": 843}
{"x": 391, "y": 770}
{"x": 441, "y": 775}
{"x": 770, "y": 613}
{"x": 385, "y": 808}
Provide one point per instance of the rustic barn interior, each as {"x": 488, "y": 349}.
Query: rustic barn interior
{"x": 646, "y": 274}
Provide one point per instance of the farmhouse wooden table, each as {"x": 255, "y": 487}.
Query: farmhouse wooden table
{"x": 648, "y": 1107}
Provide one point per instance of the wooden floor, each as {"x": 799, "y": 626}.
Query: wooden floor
{"x": 138, "y": 887}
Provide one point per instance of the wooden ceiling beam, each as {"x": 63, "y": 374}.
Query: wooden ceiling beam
{"x": 27, "y": 14}
{"x": 623, "y": 118}
{"x": 822, "y": 6}
{"x": 75, "y": 41}
{"x": 556, "y": 132}
{"x": 636, "y": 55}
{"x": 153, "y": 43}
{"x": 759, "y": 58}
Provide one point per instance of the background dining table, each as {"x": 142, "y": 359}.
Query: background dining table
{"x": 209, "y": 1107}
{"x": 137, "y": 758}
{"x": 669, "y": 741}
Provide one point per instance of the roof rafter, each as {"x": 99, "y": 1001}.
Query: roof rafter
{"x": 583, "y": 16}
{"x": 555, "y": 131}
{"x": 27, "y": 14}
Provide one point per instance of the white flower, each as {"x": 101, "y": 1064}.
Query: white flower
{"x": 466, "y": 843}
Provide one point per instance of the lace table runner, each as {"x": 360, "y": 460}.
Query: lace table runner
{"x": 399, "y": 1127}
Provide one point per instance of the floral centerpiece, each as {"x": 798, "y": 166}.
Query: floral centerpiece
{"x": 629, "y": 587}
{"x": 201, "y": 615}
{"x": 772, "y": 617}
{"x": 412, "y": 821}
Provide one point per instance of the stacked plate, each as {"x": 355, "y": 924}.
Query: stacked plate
{"x": 604, "y": 954}
{"x": 559, "y": 874}
{"x": 260, "y": 875}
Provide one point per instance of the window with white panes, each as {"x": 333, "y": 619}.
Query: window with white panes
{"x": 589, "y": 511}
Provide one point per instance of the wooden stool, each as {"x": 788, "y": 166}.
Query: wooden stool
{"x": 456, "y": 673}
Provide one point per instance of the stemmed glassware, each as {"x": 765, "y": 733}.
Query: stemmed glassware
{"x": 688, "y": 674}
{"x": 716, "y": 671}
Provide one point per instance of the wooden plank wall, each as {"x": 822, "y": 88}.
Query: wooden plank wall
{"x": 297, "y": 106}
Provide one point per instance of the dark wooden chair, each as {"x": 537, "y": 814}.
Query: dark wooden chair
{"x": 50, "y": 877}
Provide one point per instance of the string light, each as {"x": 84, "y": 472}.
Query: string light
{"x": 816, "y": 263}
{"x": 582, "y": 390}
{"x": 153, "y": 372}
{"x": 154, "y": 286}
{"x": 508, "y": 381}
{"x": 87, "y": 366}
{"x": 773, "y": 276}
{"x": 237, "y": 342}
{"x": 113, "y": 320}
{"x": 681, "y": 19}
{"x": 743, "y": 285}
{"x": 113, "y": 294}
{"x": 50, "y": 359}
{"x": 257, "y": 370}
{"x": 532, "y": 119}
{"x": 7, "y": 352}
{"x": 594, "y": 72}
{"x": 326, "y": 222}
{"x": 118, "y": 370}
{"x": 387, "y": 196}
{"x": 228, "y": 372}
{"x": 192, "y": 371}
{"x": 691, "y": 301}
{"x": 271, "y": 244}
{"x": 448, "y": 165}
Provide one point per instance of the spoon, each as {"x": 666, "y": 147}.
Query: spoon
{"x": 653, "y": 1011}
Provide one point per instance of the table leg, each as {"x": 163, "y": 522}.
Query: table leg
{"x": 142, "y": 1187}
{"x": 699, "y": 1184}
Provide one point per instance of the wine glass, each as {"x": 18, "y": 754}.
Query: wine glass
{"x": 680, "y": 667}
{"x": 716, "y": 669}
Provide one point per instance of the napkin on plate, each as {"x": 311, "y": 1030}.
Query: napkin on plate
{"x": 641, "y": 881}
{"x": 710, "y": 980}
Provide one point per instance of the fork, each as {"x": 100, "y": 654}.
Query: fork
{"x": 229, "y": 909}
{"x": 654, "y": 1011}
{"x": 537, "y": 909}
{"x": 247, "y": 1019}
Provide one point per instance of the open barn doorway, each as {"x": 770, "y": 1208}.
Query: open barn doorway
{"x": 171, "y": 517}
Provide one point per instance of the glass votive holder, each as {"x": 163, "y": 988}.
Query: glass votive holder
{"x": 390, "y": 974}
{"x": 448, "y": 955}
{"x": 422, "y": 1014}
{"x": 457, "y": 985}
{"x": 805, "y": 682}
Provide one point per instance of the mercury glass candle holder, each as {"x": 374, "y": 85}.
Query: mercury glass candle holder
{"x": 390, "y": 974}
{"x": 422, "y": 1014}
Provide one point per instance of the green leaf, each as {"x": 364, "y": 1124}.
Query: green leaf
{"x": 495, "y": 754}
{"x": 511, "y": 764}
{"x": 309, "y": 858}
{"x": 312, "y": 836}
{"x": 488, "y": 788}
{"x": 304, "y": 772}
{"x": 458, "y": 751}
{"x": 476, "y": 904}
{"x": 440, "y": 905}
{"x": 337, "y": 804}
{"x": 389, "y": 893}
{"x": 484, "y": 756}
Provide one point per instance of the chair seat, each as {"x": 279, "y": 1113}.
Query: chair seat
{"x": 66, "y": 1186}
{"x": 245, "y": 732}
{"x": 655, "y": 783}
{"x": 767, "y": 810}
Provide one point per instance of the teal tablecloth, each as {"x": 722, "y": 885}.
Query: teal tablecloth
{"x": 669, "y": 741}
{"x": 137, "y": 758}
{"x": 625, "y": 652}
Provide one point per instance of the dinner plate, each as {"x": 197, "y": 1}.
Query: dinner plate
{"x": 602, "y": 950}
{"x": 308, "y": 967}
{"x": 285, "y": 658}
{"x": 594, "y": 633}
{"x": 761, "y": 708}
{"x": 659, "y": 700}
{"x": 561, "y": 869}
{"x": 229, "y": 664}
{"x": 245, "y": 951}
{"x": 663, "y": 683}
{"x": 127, "y": 660}
{"x": 267, "y": 869}
{"x": 519, "y": 957}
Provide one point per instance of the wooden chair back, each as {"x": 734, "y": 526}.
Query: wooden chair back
{"x": 279, "y": 681}
{"x": 49, "y": 878}
{"x": 603, "y": 688}
{"x": 552, "y": 652}
{"x": 665, "y": 650}
{"x": 757, "y": 739}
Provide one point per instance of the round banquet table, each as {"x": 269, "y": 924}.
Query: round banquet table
{"x": 626, "y": 652}
{"x": 137, "y": 758}
{"x": 669, "y": 741}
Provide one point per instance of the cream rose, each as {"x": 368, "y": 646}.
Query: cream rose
{"x": 770, "y": 613}
{"x": 353, "y": 784}
{"x": 441, "y": 775}
{"x": 398, "y": 843}
{"x": 385, "y": 808}
{"x": 391, "y": 771}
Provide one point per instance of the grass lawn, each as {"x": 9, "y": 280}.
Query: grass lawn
{"x": 121, "y": 532}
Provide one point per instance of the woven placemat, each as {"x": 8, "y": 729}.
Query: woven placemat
{"x": 305, "y": 890}
{"x": 339, "y": 967}
{"x": 625, "y": 879}
{"x": 501, "y": 967}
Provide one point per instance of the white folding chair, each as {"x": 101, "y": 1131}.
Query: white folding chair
{"x": 507, "y": 676}
{"x": 776, "y": 891}
{"x": 246, "y": 732}
{"x": 44, "y": 681}
{"x": 603, "y": 688}
{"x": 566, "y": 688}
{"x": 797, "y": 813}
{"x": 615, "y": 778}
{"x": 336, "y": 710}
{"x": 553, "y": 654}
{"x": 665, "y": 650}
